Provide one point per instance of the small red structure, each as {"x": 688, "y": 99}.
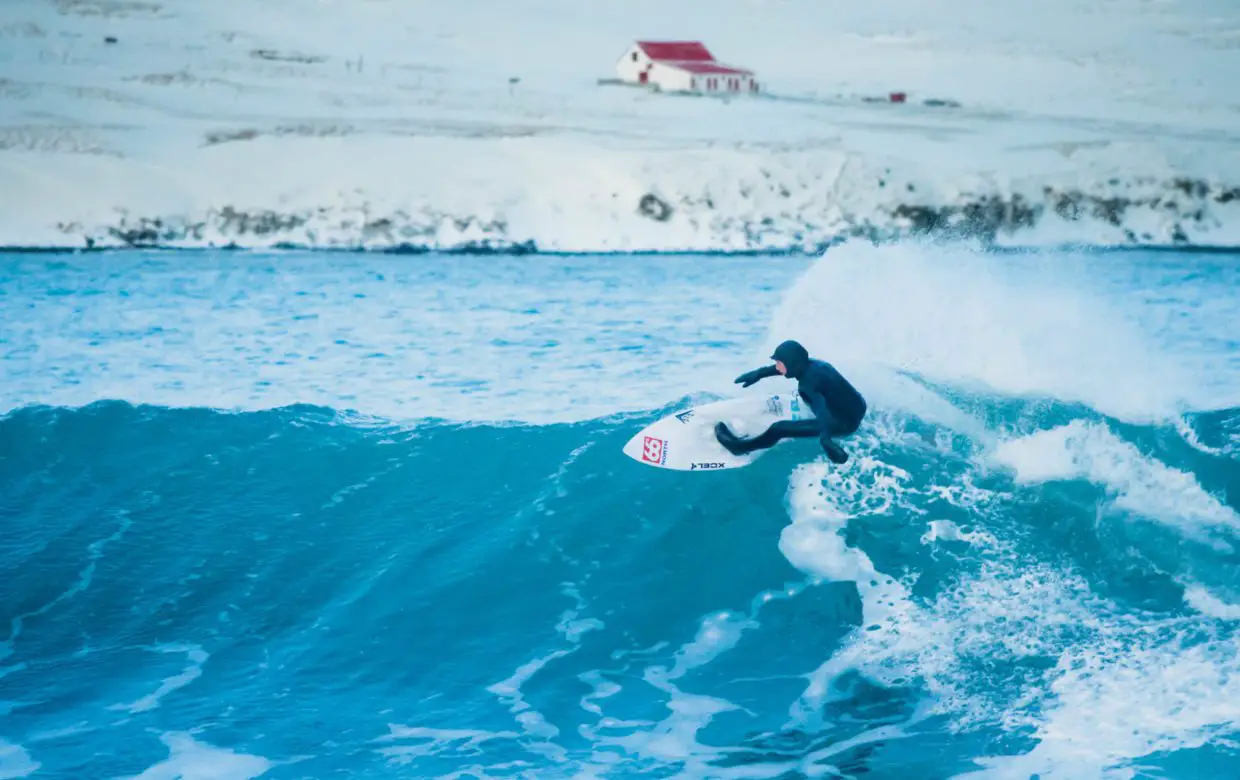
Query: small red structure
{"x": 682, "y": 66}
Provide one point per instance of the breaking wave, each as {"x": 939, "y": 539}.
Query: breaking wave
{"x": 1027, "y": 567}
{"x": 517, "y": 599}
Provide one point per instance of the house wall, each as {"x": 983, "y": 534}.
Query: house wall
{"x": 671, "y": 79}
{"x": 631, "y": 63}
{"x": 719, "y": 83}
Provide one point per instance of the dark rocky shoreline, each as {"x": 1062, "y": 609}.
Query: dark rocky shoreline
{"x": 1188, "y": 211}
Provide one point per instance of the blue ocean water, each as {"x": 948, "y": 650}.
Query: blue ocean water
{"x": 316, "y": 515}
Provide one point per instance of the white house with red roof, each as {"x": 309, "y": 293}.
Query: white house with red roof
{"x": 682, "y": 66}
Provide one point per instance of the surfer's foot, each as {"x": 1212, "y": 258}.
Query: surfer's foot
{"x": 835, "y": 452}
{"x": 729, "y": 440}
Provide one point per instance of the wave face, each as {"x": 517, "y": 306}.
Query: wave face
{"x": 1023, "y": 569}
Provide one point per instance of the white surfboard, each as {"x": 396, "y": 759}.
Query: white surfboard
{"x": 685, "y": 441}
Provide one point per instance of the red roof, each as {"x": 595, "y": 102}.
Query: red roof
{"x": 708, "y": 67}
{"x": 681, "y": 51}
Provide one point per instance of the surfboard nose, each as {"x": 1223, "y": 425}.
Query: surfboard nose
{"x": 648, "y": 446}
{"x": 633, "y": 447}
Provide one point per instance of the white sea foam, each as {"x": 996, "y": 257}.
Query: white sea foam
{"x": 1159, "y": 684}
{"x": 1048, "y": 326}
{"x": 195, "y": 656}
{"x": 190, "y": 759}
{"x": 1138, "y": 483}
{"x": 537, "y": 733}
{"x": 674, "y": 739}
{"x": 532, "y": 722}
{"x": 421, "y": 741}
{"x": 1130, "y": 693}
{"x": 15, "y": 761}
{"x": 823, "y": 499}
{"x": 1202, "y": 600}
{"x": 1155, "y": 683}
{"x": 947, "y": 531}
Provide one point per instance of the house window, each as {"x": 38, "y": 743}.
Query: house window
{"x": 692, "y": 83}
{"x": 634, "y": 56}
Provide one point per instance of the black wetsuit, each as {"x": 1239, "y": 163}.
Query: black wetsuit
{"x": 838, "y": 407}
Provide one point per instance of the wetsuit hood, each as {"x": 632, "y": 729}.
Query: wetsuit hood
{"x": 794, "y": 357}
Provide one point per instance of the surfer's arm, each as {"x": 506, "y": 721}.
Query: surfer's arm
{"x": 750, "y": 377}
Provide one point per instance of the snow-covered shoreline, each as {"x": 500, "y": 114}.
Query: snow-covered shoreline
{"x": 377, "y": 127}
{"x": 566, "y": 195}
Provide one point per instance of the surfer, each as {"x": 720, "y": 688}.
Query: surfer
{"x": 838, "y": 407}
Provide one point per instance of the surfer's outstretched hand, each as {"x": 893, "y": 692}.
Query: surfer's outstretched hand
{"x": 750, "y": 377}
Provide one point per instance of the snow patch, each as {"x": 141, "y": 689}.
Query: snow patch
{"x": 384, "y": 126}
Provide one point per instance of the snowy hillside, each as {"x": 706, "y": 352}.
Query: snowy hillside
{"x": 384, "y": 123}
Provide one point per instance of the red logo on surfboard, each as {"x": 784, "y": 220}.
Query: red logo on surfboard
{"x": 653, "y": 449}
